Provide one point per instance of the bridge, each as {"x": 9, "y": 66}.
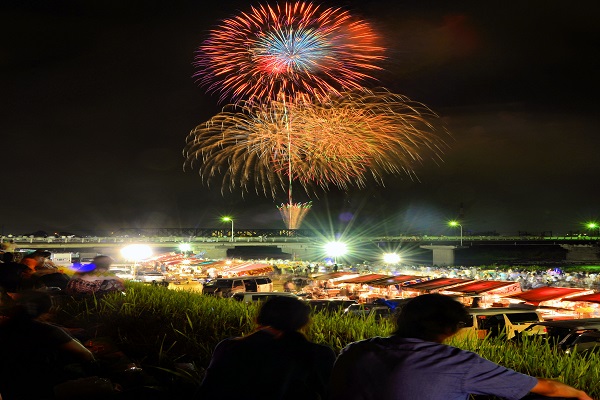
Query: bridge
{"x": 295, "y": 244}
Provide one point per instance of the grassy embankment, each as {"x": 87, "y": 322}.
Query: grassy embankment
{"x": 159, "y": 328}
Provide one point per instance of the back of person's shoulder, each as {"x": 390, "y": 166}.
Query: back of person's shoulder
{"x": 367, "y": 345}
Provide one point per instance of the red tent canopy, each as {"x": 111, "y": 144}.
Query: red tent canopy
{"x": 478, "y": 287}
{"x": 392, "y": 280}
{"x": 250, "y": 269}
{"x": 332, "y": 275}
{"x": 537, "y": 295}
{"x": 592, "y": 298}
{"x": 365, "y": 278}
{"x": 436, "y": 284}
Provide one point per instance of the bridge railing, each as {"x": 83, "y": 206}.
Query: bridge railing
{"x": 283, "y": 239}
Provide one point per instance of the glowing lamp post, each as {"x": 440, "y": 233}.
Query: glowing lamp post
{"x": 593, "y": 226}
{"x": 336, "y": 249}
{"x": 185, "y": 247}
{"x": 455, "y": 223}
{"x": 136, "y": 253}
{"x": 391, "y": 258}
{"x": 228, "y": 219}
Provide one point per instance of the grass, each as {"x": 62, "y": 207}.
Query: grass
{"x": 162, "y": 329}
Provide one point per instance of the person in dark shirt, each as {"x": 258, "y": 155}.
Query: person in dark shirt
{"x": 12, "y": 274}
{"x": 415, "y": 364}
{"x": 275, "y": 362}
{"x": 34, "y": 352}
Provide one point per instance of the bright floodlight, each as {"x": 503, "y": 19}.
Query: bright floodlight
{"x": 391, "y": 258}
{"x": 136, "y": 252}
{"x": 592, "y": 225}
{"x": 453, "y": 223}
{"x": 185, "y": 247}
{"x": 336, "y": 249}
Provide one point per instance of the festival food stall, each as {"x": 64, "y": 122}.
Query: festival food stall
{"x": 484, "y": 293}
{"x": 250, "y": 268}
{"x": 432, "y": 286}
{"x": 553, "y": 302}
{"x": 586, "y": 305}
{"x": 358, "y": 287}
{"x": 335, "y": 276}
{"x": 391, "y": 287}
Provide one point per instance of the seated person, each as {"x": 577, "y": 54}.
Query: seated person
{"x": 34, "y": 353}
{"x": 95, "y": 278}
{"x": 414, "y": 363}
{"x": 12, "y": 274}
{"x": 276, "y": 351}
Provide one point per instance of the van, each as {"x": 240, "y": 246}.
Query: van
{"x": 249, "y": 297}
{"x": 493, "y": 322}
{"x": 226, "y": 287}
{"x": 572, "y": 335}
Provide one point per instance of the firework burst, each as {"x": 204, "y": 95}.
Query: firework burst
{"x": 344, "y": 141}
{"x": 290, "y": 48}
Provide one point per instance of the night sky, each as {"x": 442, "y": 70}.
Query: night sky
{"x": 98, "y": 98}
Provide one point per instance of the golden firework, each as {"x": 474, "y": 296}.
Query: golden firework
{"x": 340, "y": 140}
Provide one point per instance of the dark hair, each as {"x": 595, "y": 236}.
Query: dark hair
{"x": 430, "y": 315}
{"x": 102, "y": 262}
{"x": 284, "y": 313}
{"x": 31, "y": 304}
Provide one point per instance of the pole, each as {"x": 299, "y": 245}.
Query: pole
{"x": 232, "y": 229}
{"x": 461, "y": 235}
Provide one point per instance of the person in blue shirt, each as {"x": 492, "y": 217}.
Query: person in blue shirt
{"x": 415, "y": 364}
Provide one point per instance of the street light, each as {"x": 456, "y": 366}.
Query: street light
{"x": 227, "y": 219}
{"x": 185, "y": 247}
{"x": 391, "y": 258}
{"x": 455, "y": 223}
{"x": 593, "y": 225}
{"x": 336, "y": 249}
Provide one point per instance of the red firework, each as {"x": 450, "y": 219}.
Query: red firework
{"x": 291, "y": 48}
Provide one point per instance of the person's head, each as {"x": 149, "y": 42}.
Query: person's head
{"x": 432, "y": 317}
{"x": 284, "y": 313}
{"x": 102, "y": 263}
{"x": 39, "y": 256}
{"x": 31, "y": 304}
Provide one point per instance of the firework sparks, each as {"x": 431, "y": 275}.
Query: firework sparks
{"x": 293, "y": 213}
{"x": 342, "y": 141}
{"x": 291, "y": 48}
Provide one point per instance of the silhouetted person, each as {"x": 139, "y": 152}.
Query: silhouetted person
{"x": 35, "y": 260}
{"x": 276, "y": 361}
{"x": 12, "y": 274}
{"x": 95, "y": 278}
{"x": 414, "y": 364}
{"x": 34, "y": 352}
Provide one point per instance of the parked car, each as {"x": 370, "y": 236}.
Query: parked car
{"x": 570, "y": 335}
{"x": 495, "y": 321}
{"x": 249, "y": 297}
{"x": 150, "y": 277}
{"x": 226, "y": 287}
{"x": 123, "y": 273}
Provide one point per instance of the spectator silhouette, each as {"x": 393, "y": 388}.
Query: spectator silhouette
{"x": 414, "y": 364}
{"x": 275, "y": 362}
{"x": 95, "y": 278}
{"x": 34, "y": 352}
{"x": 12, "y": 274}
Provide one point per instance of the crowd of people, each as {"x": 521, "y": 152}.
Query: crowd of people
{"x": 413, "y": 363}
{"x": 32, "y": 346}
